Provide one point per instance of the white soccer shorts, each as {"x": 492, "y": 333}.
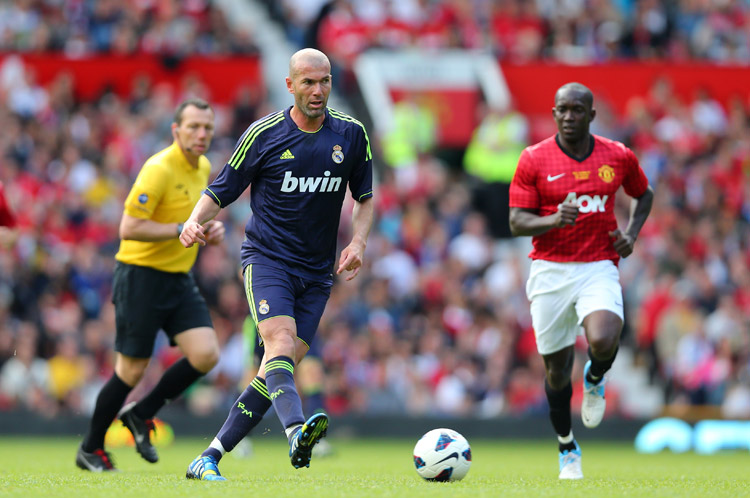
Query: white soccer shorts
{"x": 563, "y": 294}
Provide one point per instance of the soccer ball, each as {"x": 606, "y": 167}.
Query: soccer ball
{"x": 442, "y": 455}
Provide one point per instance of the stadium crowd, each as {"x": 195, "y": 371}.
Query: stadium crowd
{"x": 78, "y": 28}
{"x": 575, "y": 31}
{"x": 439, "y": 324}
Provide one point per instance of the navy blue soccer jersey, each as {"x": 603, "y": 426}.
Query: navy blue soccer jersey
{"x": 299, "y": 181}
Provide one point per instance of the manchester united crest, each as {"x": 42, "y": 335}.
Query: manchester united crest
{"x": 607, "y": 173}
{"x": 337, "y": 155}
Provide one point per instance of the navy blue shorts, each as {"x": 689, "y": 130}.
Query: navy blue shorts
{"x": 274, "y": 292}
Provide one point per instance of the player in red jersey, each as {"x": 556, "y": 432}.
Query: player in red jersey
{"x": 563, "y": 195}
{"x": 7, "y": 221}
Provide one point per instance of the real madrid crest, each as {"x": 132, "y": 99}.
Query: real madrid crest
{"x": 337, "y": 155}
{"x": 263, "y": 307}
{"x": 607, "y": 173}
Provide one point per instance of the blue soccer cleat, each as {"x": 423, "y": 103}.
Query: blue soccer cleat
{"x": 204, "y": 468}
{"x": 570, "y": 463}
{"x": 594, "y": 404}
{"x": 303, "y": 441}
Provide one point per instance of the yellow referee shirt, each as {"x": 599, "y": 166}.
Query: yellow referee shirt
{"x": 166, "y": 190}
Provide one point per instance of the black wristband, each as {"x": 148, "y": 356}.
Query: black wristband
{"x": 179, "y": 228}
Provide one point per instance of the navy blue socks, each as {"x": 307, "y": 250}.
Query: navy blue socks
{"x": 246, "y": 413}
{"x": 283, "y": 392}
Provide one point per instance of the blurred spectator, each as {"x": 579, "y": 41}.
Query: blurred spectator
{"x": 491, "y": 157}
{"x": 24, "y": 378}
{"x": 68, "y": 371}
{"x": 7, "y": 221}
{"x": 412, "y": 135}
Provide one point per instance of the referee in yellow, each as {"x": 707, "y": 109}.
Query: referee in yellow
{"x": 153, "y": 289}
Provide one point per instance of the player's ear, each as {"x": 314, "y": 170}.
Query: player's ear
{"x": 289, "y": 84}
{"x": 592, "y": 114}
{"x": 174, "y": 131}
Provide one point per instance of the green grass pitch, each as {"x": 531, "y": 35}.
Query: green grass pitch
{"x": 38, "y": 467}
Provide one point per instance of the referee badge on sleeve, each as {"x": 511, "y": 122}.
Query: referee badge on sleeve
{"x": 337, "y": 155}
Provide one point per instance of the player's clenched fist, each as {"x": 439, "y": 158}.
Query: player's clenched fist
{"x": 214, "y": 232}
{"x": 623, "y": 243}
{"x": 192, "y": 232}
{"x": 567, "y": 212}
{"x": 351, "y": 260}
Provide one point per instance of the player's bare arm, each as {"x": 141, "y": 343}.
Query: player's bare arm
{"x": 195, "y": 230}
{"x": 525, "y": 222}
{"x": 353, "y": 255}
{"x": 639, "y": 211}
{"x": 146, "y": 230}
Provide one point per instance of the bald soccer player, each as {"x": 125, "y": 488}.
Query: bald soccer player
{"x": 299, "y": 161}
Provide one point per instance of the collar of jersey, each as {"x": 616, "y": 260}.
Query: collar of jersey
{"x": 293, "y": 125}
{"x": 579, "y": 159}
{"x": 176, "y": 151}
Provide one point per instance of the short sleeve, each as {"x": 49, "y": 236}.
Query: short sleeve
{"x": 147, "y": 191}
{"x": 360, "y": 181}
{"x": 523, "y": 190}
{"x": 238, "y": 172}
{"x": 635, "y": 182}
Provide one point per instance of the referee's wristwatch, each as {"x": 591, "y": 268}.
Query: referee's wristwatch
{"x": 179, "y": 229}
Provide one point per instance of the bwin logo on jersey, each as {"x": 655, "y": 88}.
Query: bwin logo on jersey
{"x": 588, "y": 203}
{"x": 324, "y": 183}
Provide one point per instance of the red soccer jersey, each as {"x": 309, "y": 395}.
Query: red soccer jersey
{"x": 546, "y": 176}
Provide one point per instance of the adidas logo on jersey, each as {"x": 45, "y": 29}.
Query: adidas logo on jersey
{"x": 287, "y": 155}
{"x": 325, "y": 183}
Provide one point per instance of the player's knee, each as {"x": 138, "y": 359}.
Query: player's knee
{"x": 558, "y": 378}
{"x": 130, "y": 372}
{"x": 205, "y": 360}
{"x": 280, "y": 341}
{"x": 603, "y": 346}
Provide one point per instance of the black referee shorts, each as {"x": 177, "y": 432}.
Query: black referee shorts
{"x": 148, "y": 300}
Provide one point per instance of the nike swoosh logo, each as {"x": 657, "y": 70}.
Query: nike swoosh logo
{"x": 551, "y": 178}
{"x": 452, "y": 455}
